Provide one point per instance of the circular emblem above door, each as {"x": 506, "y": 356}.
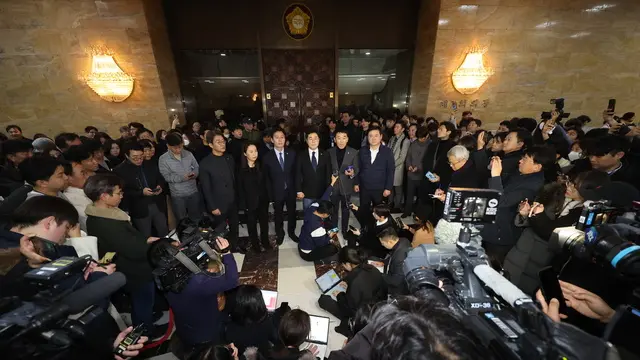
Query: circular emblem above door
{"x": 297, "y": 21}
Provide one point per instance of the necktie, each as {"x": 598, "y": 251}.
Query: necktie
{"x": 281, "y": 161}
{"x": 144, "y": 178}
{"x": 314, "y": 161}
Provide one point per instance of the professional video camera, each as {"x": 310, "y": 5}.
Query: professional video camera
{"x": 604, "y": 235}
{"x": 509, "y": 324}
{"x": 35, "y": 325}
{"x": 173, "y": 266}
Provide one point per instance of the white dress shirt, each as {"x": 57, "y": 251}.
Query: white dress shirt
{"x": 374, "y": 153}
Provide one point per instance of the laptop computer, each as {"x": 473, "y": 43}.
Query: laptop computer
{"x": 270, "y": 299}
{"x": 331, "y": 284}
{"x": 319, "y": 335}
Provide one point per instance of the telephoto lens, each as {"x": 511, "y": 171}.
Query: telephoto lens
{"x": 424, "y": 284}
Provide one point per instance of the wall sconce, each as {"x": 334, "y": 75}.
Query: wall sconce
{"x": 107, "y": 79}
{"x": 472, "y": 74}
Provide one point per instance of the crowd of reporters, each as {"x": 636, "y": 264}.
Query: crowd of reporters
{"x": 94, "y": 195}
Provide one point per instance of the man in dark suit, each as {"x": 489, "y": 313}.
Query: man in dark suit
{"x": 313, "y": 170}
{"x": 377, "y": 167}
{"x": 144, "y": 193}
{"x": 217, "y": 178}
{"x": 279, "y": 167}
{"x": 500, "y": 237}
{"x": 344, "y": 161}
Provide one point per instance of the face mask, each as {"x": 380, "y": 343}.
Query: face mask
{"x": 226, "y": 136}
{"x": 574, "y": 155}
{"x": 185, "y": 141}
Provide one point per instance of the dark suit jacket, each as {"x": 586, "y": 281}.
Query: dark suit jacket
{"x": 393, "y": 273}
{"x": 345, "y": 183}
{"x": 311, "y": 182}
{"x": 276, "y": 178}
{"x": 217, "y": 178}
{"x": 379, "y": 175}
{"x": 134, "y": 201}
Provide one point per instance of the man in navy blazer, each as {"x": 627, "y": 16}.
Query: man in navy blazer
{"x": 279, "y": 168}
{"x": 377, "y": 167}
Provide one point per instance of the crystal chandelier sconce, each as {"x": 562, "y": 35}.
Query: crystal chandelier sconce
{"x": 107, "y": 78}
{"x": 472, "y": 74}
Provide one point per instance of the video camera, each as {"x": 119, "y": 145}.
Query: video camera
{"x": 173, "y": 267}
{"x": 509, "y": 324}
{"x": 604, "y": 235}
{"x": 34, "y": 325}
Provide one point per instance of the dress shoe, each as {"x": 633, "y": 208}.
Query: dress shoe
{"x": 280, "y": 240}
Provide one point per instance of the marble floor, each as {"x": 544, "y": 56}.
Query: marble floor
{"x": 296, "y": 280}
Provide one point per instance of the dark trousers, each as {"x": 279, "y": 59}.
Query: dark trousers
{"x": 142, "y": 299}
{"x": 155, "y": 220}
{"x": 319, "y": 253}
{"x": 370, "y": 198}
{"x": 278, "y": 209}
{"x": 412, "y": 190}
{"x": 331, "y": 306}
{"x": 337, "y": 201}
{"x": 261, "y": 214}
{"x": 229, "y": 217}
{"x": 184, "y": 206}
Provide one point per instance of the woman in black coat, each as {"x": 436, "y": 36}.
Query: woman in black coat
{"x": 250, "y": 324}
{"x": 365, "y": 284}
{"x": 556, "y": 206}
{"x": 253, "y": 197}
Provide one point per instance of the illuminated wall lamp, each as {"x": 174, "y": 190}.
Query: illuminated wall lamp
{"x": 472, "y": 74}
{"x": 107, "y": 79}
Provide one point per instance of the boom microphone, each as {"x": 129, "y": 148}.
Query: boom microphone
{"x": 501, "y": 286}
{"x": 79, "y": 300}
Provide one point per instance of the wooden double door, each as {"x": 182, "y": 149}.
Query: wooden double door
{"x": 299, "y": 85}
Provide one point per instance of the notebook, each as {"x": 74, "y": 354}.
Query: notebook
{"x": 380, "y": 268}
{"x": 270, "y": 299}
{"x": 331, "y": 284}
{"x": 319, "y": 335}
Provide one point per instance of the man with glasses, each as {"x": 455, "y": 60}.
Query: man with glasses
{"x": 464, "y": 173}
{"x": 217, "y": 178}
{"x": 144, "y": 190}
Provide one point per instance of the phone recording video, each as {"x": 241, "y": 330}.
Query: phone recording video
{"x": 550, "y": 287}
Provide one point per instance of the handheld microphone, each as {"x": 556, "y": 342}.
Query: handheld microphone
{"x": 501, "y": 286}
{"x": 79, "y": 300}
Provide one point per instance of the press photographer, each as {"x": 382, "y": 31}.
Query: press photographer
{"x": 197, "y": 304}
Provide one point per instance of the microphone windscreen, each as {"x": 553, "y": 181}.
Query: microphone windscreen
{"x": 501, "y": 286}
{"x": 92, "y": 293}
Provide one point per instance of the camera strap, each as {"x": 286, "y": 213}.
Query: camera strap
{"x": 184, "y": 259}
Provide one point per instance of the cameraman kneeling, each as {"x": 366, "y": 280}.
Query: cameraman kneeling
{"x": 198, "y": 316}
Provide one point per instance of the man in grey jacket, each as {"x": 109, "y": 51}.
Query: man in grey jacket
{"x": 414, "y": 168}
{"x": 399, "y": 144}
{"x": 180, "y": 169}
{"x": 344, "y": 161}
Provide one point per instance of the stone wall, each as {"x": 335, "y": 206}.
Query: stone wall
{"x": 43, "y": 54}
{"x": 539, "y": 49}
